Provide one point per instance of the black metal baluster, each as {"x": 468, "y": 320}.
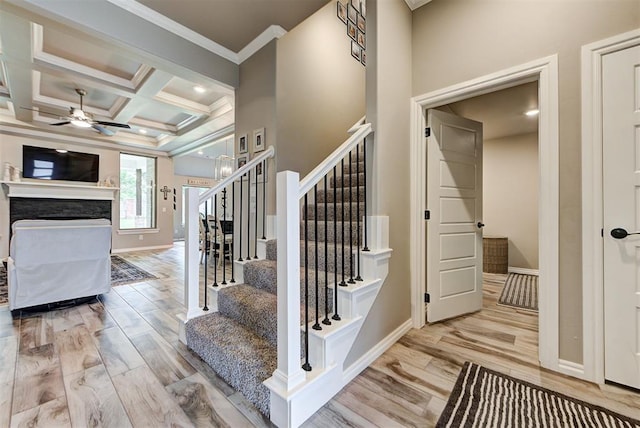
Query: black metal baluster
{"x": 316, "y": 326}
{"x": 248, "y": 215}
{"x": 364, "y": 170}
{"x": 233, "y": 241}
{"x": 224, "y": 236}
{"x": 335, "y": 216}
{"x": 240, "y": 225}
{"x": 326, "y": 320}
{"x": 264, "y": 198}
{"x": 358, "y": 277}
{"x": 216, "y": 247}
{"x": 205, "y": 248}
{"x": 255, "y": 231}
{"x": 351, "y": 281}
{"x": 335, "y": 246}
{"x": 306, "y": 366}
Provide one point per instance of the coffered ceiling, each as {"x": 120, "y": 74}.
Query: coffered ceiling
{"x": 139, "y": 62}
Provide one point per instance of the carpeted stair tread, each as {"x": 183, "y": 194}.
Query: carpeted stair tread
{"x": 239, "y": 356}
{"x": 256, "y": 309}
{"x": 272, "y": 250}
{"x": 262, "y": 273}
{"x": 332, "y": 236}
{"x": 348, "y": 180}
{"x": 341, "y": 211}
{"x": 358, "y": 194}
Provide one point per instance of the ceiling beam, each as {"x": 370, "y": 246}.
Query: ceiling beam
{"x": 157, "y": 46}
{"x": 150, "y": 86}
{"x": 16, "y": 54}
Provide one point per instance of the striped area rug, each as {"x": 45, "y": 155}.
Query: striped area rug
{"x": 484, "y": 398}
{"x": 520, "y": 291}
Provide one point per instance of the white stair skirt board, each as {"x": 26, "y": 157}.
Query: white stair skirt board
{"x": 329, "y": 347}
{"x": 523, "y": 271}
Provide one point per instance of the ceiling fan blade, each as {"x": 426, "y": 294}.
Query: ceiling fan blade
{"x": 102, "y": 130}
{"x": 66, "y": 122}
{"x": 40, "y": 111}
{"x": 117, "y": 125}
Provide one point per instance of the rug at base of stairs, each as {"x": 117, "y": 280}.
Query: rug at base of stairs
{"x": 520, "y": 291}
{"x": 122, "y": 272}
{"x": 485, "y": 398}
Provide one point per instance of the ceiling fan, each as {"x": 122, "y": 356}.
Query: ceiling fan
{"x": 81, "y": 119}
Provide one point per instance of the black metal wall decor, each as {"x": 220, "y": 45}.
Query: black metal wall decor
{"x": 352, "y": 14}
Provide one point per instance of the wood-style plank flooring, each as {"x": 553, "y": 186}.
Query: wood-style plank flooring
{"x": 117, "y": 362}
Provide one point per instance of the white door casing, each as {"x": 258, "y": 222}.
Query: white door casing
{"x": 454, "y": 233}
{"x": 621, "y": 211}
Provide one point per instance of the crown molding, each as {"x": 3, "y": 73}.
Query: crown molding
{"x": 172, "y": 26}
{"x": 271, "y": 33}
{"x": 414, "y": 4}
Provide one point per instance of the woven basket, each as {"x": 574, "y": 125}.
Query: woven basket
{"x": 495, "y": 254}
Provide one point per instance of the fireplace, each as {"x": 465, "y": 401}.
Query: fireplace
{"x": 32, "y": 200}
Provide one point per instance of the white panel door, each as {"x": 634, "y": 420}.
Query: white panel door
{"x": 621, "y": 195}
{"x": 454, "y": 231}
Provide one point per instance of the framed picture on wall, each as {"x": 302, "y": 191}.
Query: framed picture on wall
{"x": 342, "y": 12}
{"x": 363, "y": 57}
{"x": 242, "y": 161}
{"x": 243, "y": 144}
{"x": 261, "y": 172}
{"x": 352, "y": 30}
{"x": 352, "y": 13}
{"x": 355, "y": 50}
{"x": 258, "y": 140}
{"x": 361, "y": 23}
{"x": 361, "y": 39}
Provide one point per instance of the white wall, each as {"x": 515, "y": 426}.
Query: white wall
{"x": 458, "y": 40}
{"x": 510, "y": 195}
{"x": 11, "y": 151}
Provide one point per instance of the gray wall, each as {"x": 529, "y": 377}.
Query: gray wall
{"x": 388, "y": 93}
{"x": 320, "y": 91}
{"x": 458, "y": 40}
{"x": 510, "y": 195}
{"x": 256, "y": 108}
{"x": 11, "y": 151}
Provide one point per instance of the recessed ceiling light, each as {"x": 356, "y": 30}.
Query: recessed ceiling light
{"x": 200, "y": 152}
{"x": 199, "y": 89}
{"x": 532, "y": 112}
{"x": 61, "y": 151}
{"x": 142, "y": 131}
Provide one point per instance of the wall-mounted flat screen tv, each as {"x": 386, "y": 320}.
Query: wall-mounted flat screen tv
{"x": 52, "y": 164}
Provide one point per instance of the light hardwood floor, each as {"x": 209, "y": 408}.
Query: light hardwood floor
{"x": 118, "y": 362}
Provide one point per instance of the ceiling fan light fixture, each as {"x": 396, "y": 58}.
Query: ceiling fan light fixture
{"x": 80, "y": 123}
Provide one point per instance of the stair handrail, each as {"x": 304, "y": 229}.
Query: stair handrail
{"x": 268, "y": 153}
{"x": 318, "y": 173}
{"x": 356, "y": 125}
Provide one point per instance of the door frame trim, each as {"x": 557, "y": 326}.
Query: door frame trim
{"x": 545, "y": 71}
{"x": 592, "y": 200}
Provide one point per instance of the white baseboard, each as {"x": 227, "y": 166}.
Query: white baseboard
{"x": 127, "y": 250}
{"x": 365, "y": 361}
{"x": 570, "y": 368}
{"x": 524, "y": 271}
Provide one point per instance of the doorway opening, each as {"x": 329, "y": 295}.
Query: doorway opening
{"x": 544, "y": 74}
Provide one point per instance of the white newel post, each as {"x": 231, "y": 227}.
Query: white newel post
{"x": 288, "y": 374}
{"x": 191, "y": 253}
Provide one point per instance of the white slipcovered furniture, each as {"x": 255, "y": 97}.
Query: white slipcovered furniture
{"x": 54, "y": 260}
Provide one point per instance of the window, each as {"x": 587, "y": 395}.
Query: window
{"x": 137, "y": 192}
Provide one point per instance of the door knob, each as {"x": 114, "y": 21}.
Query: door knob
{"x": 480, "y": 225}
{"x": 620, "y": 233}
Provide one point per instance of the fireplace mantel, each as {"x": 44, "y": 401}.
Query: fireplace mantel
{"x": 31, "y": 189}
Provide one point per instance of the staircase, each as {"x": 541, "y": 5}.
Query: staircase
{"x": 239, "y": 339}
